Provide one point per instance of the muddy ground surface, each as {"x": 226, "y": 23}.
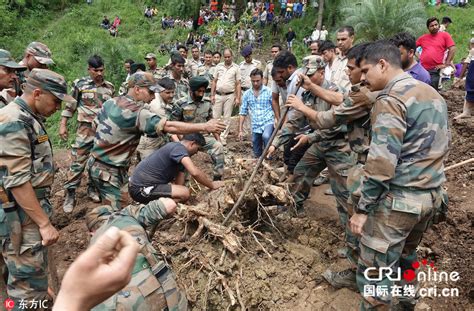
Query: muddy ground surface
{"x": 282, "y": 270}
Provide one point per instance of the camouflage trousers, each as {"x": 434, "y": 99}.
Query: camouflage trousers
{"x": 215, "y": 150}
{"x": 111, "y": 183}
{"x": 390, "y": 237}
{"x": 27, "y": 271}
{"x": 80, "y": 153}
{"x": 337, "y": 157}
{"x": 147, "y": 292}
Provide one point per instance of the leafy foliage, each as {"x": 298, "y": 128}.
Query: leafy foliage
{"x": 379, "y": 19}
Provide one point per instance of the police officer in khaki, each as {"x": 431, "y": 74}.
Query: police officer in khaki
{"x": 26, "y": 177}
{"x": 225, "y": 91}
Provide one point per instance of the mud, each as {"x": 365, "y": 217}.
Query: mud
{"x": 278, "y": 259}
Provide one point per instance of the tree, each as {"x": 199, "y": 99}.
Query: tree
{"x": 320, "y": 14}
{"x": 379, "y": 19}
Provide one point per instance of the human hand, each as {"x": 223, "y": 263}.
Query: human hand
{"x": 270, "y": 151}
{"x": 49, "y": 234}
{"x": 63, "y": 131}
{"x": 98, "y": 273}
{"x": 237, "y": 102}
{"x": 294, "y": 102}
{"x": 356, "y": 223}
{"x": 215, "y": 126}
{"x": 241, "y": 135}
{"x": 213, "y": 99}
{"x": 217, "y": 184}
{"x": 442, "y": 66}
{"x": 304, "y": 81}
{"x": 302, "y": 140}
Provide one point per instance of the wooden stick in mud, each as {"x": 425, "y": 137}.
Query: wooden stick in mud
{"x": 458, "y": 164}
{"x": 260, "y": 160}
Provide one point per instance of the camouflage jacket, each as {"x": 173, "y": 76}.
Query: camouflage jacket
{"x": 141, "y": 292}
{"x": 207, "y": 72}
{"x": 355, "y": 112}
{"x": 120, "y": 123}
{"x": 90, "y": 98}
{"x": 29, "y": 155}
{"x": 298, "y": 123}
{"x": 410, "y": 138}
{"x": 181, "y": 92}
{"x": 192, "y": 67}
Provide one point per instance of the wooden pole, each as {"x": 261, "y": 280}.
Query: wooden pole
{"x": 259, "y": 163}
{"x": 458, "y": 164}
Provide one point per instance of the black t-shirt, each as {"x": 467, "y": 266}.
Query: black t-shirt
{"x": 161, "y": 167}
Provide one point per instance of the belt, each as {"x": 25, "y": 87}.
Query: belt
{"x": 223, "y": 94}
{"x": 42, "y": 193}
{"x": 245, "y": 88}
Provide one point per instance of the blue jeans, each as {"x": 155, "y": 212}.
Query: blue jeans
{"x": 260, "y": 140}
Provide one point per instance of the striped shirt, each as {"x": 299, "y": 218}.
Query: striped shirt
{"x": 260, "y": 108}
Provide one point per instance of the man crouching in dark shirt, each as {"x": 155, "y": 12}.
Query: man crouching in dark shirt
{"x": 161, "y": 175}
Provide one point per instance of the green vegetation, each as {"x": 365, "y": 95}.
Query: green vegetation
{"x": 380, "y": 19}
{"x": 71, "y": 29}
{"x": 462, "y": 27}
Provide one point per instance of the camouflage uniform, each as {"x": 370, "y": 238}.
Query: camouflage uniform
{"x": 6, "y": 60}
{"x": 27, "y": 159}
{"x": 42, "y": 55}
{"x": 181, "y": 92}
{"x": 120, "y": 123}
{"x": 153, "y": 285}
{"x": 355, "y": 113}
{"x": 90, "y": 98}
{"x": 403, "y": 175}
{"x": 207, "y": 72}
{"x": 201, "y": 112}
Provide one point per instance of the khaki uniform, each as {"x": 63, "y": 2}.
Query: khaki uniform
{"x": 245, "y": 70}
{"x": 226, "y": 78}
{"x": 193, "y": 66}
{"x": 267, "y": 73}
{"x": 337, "y": 73}
{"x": 208, "y": 72}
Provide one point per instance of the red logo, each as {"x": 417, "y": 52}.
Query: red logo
{"x": 9, "y": 304}
{"x": 410, "y": 274}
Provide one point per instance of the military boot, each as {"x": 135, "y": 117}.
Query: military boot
{"x": 344, "y": 278}
{"x": 93, "y": 194}
{"x": 69, "y": 200}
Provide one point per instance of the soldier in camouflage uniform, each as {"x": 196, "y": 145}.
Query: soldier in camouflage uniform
{"x": 152, "y": 65}
{"x": 37, "y": 55}
{"x": 402, "y": 187}
{"x": 207, "y": 71}
{"x": 153, "y": 285}
{"x": 175, "y": 73}
{"x": 354, "y": 111}
{"x": 158, "y": 106}
{"x": 26, "y": 177}
{"x": 120, "y": 123}
{"x": 197, "y": 110}
{"x": 90, "y": 92}
{"x": 8, "y": 76}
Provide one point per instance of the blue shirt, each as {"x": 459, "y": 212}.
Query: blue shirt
{"x": 260, "y": 108}
{"x": 420, "y": 73}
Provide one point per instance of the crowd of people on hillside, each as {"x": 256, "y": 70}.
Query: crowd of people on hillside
{"x": 112, "y": 28}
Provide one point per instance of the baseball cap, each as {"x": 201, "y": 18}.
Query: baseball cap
{"x": 144, "y": 79}
{"x": 50, "y": 81}
{"x": 7, "y": 60}
{"x": 40, "y": 52}
{"x": 150, "y": 55}
{"x": 313, "y": 63}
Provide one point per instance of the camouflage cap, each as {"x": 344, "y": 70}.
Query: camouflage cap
{"x": 313, "y": 63}
{"x": 7, "y": 60}
{"x": 96, "y": 217}
{"x": 50, "y": 81}
{"x": 40, "y": 52}
{"x": 150, "y": 55}
{"x": 144, "y": 79}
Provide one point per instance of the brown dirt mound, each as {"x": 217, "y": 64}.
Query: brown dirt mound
{"x": 274, "y": 261}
